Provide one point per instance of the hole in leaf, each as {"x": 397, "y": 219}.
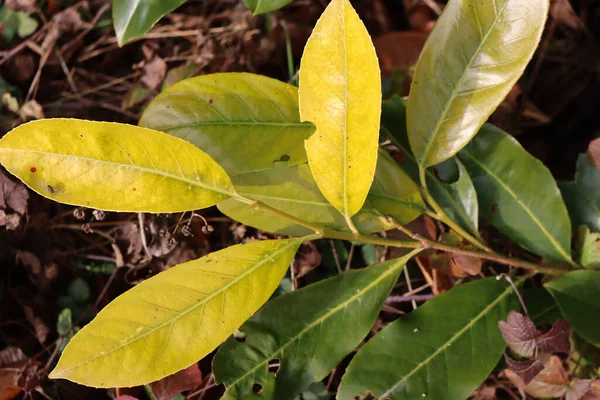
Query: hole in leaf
{"x": 257, "y": 388}
{"x": 239, "y": 336}
{"x": 274, "y": 366}
{"x": 284, "y": 157}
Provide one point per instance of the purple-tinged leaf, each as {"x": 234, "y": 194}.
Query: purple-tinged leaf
{"x": 520, "y": 334}
{"x": 556, "y": 340}
{"x": 551, "y": 382}
{"x": 578, "y": 389}
{"x": 526, "y": 370}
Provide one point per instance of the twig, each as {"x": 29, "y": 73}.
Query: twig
{"x": 338, "y": 265}
{"x": 412, "y": 298}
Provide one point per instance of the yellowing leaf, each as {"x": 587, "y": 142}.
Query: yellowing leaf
{"x": 113, "y": 166}
{"x": 340, "y": 93}
{"x": 245, "y": 122}
{"x": 472, "y": 59}
{"x": 172, "y": 320}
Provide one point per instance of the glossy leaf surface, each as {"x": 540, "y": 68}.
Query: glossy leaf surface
{"x": 113, "y": 167}
{"x": 517, "y": 194}
{"x": 175, "y": 318}
{"x": 473, "y": 57}
{"x": 309, "y": 331}
{"x": 458, "y": 199}
{"x": 293, "y": 190}
{"x": 443, "y": 350}
{"x": 340, "y": 92}
{"x": 577, "y": 296}
{"x": 133, "y": 18}
{"x": 245, "y": 122}
{"x": 583, "y": 195}
{"x": 264, "y": 6}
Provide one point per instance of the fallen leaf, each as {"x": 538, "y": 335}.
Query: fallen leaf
{"x": 31, "y": 110}
{"x": 22, "y": 5}
{"x": 520, "y": 334}
{"x": 594, "y": 392}
{"x": 399, "y": 50}
{"x": 308, "y": 258}
{"x": 526, "y": 370}
{"x": 41, "y": 330}
{"x": 29, "y": 260}
{"x": 171, "y": 386}
{"x": 9, "y": 221}
{"x": 463, "y": 266}
{"x": 594, "y": 152}
{"x": 11, "y": 355}
{"x": 154, "y": 72}
{"x": 551, "y": 382}
{"x": 563, "y": 13}
{"x": 13, "y": 195}
{"x": 578, "y": 388}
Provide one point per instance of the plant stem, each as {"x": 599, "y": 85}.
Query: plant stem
{"x": 351, "y": 225}
{"x": 441, "y": 215}
{"x": 421, "y": 243}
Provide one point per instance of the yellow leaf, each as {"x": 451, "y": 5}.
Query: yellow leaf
{"x": 340, "y": 93}
{"x": 174, "y": 319}
{"x": 114, "y": 167}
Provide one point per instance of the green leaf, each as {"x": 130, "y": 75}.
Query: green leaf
{"x": 517, "y": 194}
{"x": 541, "y": 306}
{"x": 583, "y": 195}
{"x": 588, "y": 248}
{"x": 134, "y": 18}
{"x": 458, "y": 199}
{"x": 175, "y": 318}
{"x": 393, "y": 192}
{"x": 577, "y": 296}
{"x": 309, "y": 331}
{"x": 473, "y": 57}
{"x": 340, "y": 92}
{"x": 245, "y": 122}
{"x": 441, "y": 351}
{"x": 114, "y": 167}
{"x": 27, "y": 24}
{"x": 264, "y": 6}
{"x": 293, "y": 190}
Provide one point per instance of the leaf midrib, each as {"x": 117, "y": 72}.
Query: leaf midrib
{"x": 247, "y": 273}
{"x": 130, "y": 166}
{"x": 240, "y": 123}
{"x": 454, "y": 337}
{"x": 401, "y": 262}
{"x": 512, "y": 194}
{"x": 457, "y": 87}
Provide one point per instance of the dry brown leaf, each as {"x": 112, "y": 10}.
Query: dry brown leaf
{"x": 593, "y": 152}
{"x": 13, "y": 195}
{"x": 308, "y": 258}
{"x": 551, "y": 382}
{"x": 171, "y": 386}
{"x": 22, "y": 5}
{"x": 154, "y": 72}
{"x": 399, "y": 50}
{"x": 11, "y": 355}
{"x": 563, "y": 13}
{"x": 41, "y": 330}
{"x": 594, "y": 392}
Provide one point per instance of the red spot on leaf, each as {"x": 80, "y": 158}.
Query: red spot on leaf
{"x": 33, "y": 169}
{"x": 134, "y": 189}
{"x": 210, "y": 101}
